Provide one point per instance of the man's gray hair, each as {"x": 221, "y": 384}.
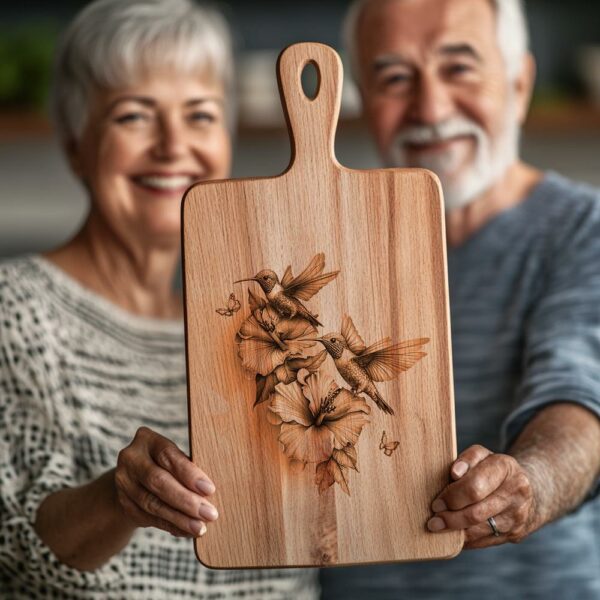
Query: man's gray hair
{"x": 114, "y": 43}
{"x": 511, "y": 30}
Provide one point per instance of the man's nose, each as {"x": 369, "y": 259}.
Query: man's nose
{"x": 170, "y": 139}
{"x": 432, "y": 102}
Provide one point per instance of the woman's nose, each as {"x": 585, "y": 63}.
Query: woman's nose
{"x": 432, "y": 102}
{"x": 170, "y": 140}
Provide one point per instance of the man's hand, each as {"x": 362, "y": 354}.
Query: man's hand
{"x": 551, "y": 468}
{"x": 486, "y": 485}
{"x": 157, "y": 485}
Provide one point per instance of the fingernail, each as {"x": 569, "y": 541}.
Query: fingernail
{"x": 460, "y": 468}
{"x": 209, "y": 512}
{"x": 198, "y": 527}
{"x": 439, "y": 506}
{"x": 206, "y": 487}
{"x": 436, "y": 524}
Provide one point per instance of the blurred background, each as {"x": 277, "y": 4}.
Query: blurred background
{"x": 41, "y": 204}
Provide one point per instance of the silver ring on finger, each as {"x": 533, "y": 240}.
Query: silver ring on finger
{"x": 494, "y": 527}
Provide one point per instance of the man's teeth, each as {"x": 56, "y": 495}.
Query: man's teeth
{"x": 166, "y": 183}
{"x": 430, "y": 141}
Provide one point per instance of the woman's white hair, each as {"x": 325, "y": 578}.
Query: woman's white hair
{"x": 511, "y": 30}
{"x": 114, "y": 43}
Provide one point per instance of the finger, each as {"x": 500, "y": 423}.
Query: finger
{"x": 154, "y": 489}
{"x": 504, "y": 524}
{"x": 159, "y": 514}
{"x": 166, "y": 454}
{"x": 142, "y": 519}
{"x": 485, "y": 542}
{"x": 161, "y": 484}
{"x": 468, "y": 459}
{"x": 479, "y": 482}
{"x": 471, "y": 516}
{"x": 149, "y": 502}
{"x": 482, "y": 535}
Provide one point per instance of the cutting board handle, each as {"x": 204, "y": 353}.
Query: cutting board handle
{"x": 311, "y": 122}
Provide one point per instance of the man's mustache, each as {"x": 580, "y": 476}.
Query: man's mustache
{"x": 439, "y": 132}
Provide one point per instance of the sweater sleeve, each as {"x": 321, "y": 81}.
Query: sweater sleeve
{"x": 37, "y": 455}
{"x": 562, "y": 339}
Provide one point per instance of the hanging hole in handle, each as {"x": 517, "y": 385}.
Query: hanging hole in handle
{"x": 310, "y": 79}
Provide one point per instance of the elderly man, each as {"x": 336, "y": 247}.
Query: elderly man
{"x": 446, "y": 86}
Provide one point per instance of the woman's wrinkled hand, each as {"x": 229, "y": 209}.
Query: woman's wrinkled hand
{"x": 486, "y": 485}
{"x": 157, "y": 485}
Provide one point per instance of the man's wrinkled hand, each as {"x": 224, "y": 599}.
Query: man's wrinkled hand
{"x": 486, "y": 485}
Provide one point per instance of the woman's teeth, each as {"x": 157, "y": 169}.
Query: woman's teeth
{"x": 172, "y": 182}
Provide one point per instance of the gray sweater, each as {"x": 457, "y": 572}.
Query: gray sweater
{"x": 78, "y": 376}
{"x": 525, "y": 310}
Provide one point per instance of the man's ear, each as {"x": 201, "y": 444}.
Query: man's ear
{"x": 523, "y": 86}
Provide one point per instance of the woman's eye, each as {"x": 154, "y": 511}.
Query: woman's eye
{"x": 202, "y": 117}
{"x": 132, "y": 118}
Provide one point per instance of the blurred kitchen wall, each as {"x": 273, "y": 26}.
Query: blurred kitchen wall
{"x": 41, "y": 204}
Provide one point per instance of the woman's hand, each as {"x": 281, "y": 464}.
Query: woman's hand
{"x": 486, "y": 485}
{"x": 157, "y": 485}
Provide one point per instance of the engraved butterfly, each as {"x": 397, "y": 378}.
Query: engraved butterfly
{"x": 233, "y": 305}
{"x": 387, "y": 447}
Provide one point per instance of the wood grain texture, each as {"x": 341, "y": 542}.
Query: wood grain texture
{"x": 383, "y": 230}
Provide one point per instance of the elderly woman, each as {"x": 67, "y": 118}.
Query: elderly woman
{"x": 97, "y": 496}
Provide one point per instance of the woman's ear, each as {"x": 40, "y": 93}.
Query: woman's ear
{"x": 523, "y": 86}
{"x": 71, "y": 148}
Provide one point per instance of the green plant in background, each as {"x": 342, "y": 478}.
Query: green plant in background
{"x": 551, "y": 96}
{"x": 25, "y": 64}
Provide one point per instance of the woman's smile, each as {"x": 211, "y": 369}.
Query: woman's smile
{"x": 165, "y": 184}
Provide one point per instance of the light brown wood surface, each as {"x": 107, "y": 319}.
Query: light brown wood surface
{"x": 383, "y": 230}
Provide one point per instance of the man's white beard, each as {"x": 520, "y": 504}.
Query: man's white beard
{"x": 490, "y": 163}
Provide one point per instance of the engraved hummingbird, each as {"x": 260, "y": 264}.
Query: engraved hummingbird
{"x": 286, "y": 295}
{"x": 361, "y": 366}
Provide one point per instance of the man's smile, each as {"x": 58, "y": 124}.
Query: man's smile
{"x": 437, "y": 145}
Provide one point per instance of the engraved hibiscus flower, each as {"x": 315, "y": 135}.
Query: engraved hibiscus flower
{"x": 317, "y": 417}
{"x": 266, "y": 339}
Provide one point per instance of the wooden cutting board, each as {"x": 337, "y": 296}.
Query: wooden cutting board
{"x": 295, "y": 372}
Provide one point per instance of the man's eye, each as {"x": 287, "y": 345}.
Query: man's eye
{"x": 458, "y": 69}
{"x": 394, "y": 81}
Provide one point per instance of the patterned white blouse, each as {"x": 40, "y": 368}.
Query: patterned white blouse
{"x": 78, "y": 376}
